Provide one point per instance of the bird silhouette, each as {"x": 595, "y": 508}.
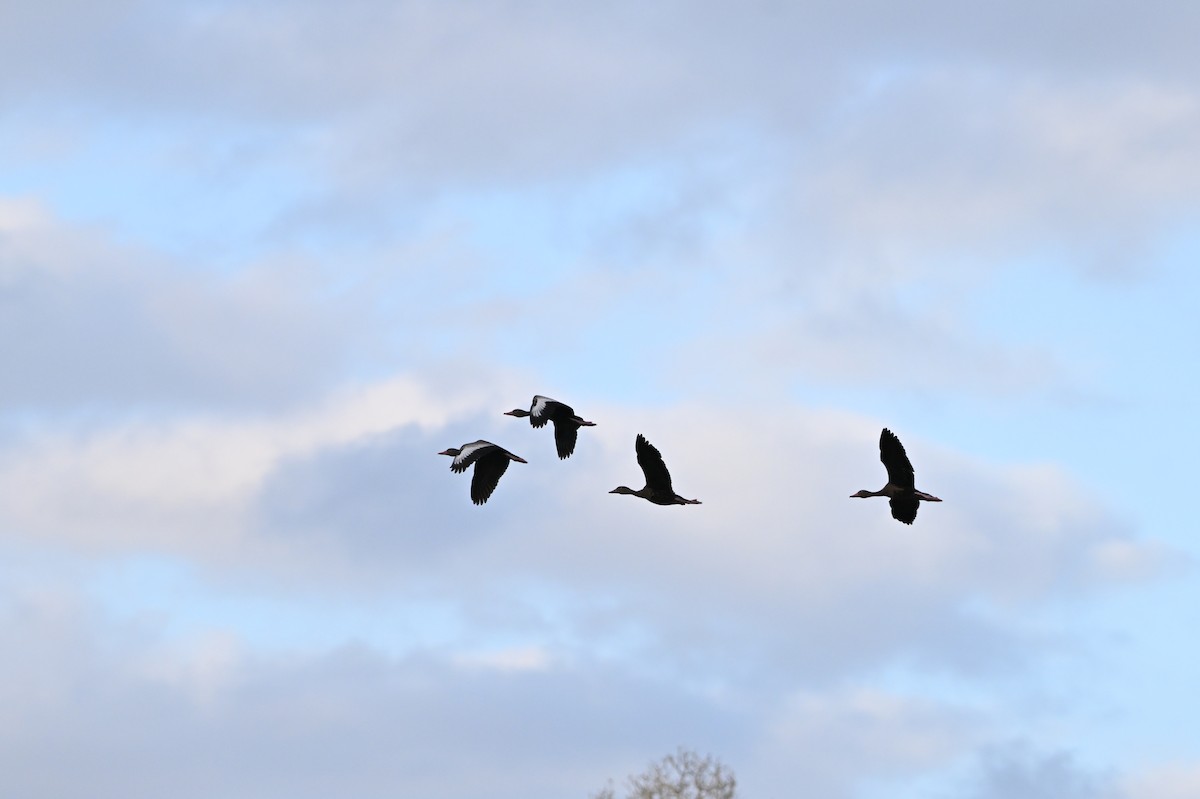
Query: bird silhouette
{"x": 566, "y": 422}
{"x": 658, "y": 480}
{"x": 900, "y": 490}
{"x": 491, "y": 461}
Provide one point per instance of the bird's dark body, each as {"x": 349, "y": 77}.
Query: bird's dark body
{"x": 490, "y": 461}
{"x": 903, "y": 497}
{"x": 658, "y": 480}
{"x": 566, "y": 422}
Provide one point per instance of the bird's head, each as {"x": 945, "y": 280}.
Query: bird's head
{"x": 516, "y": 412}
{"x": 622, "y": 490}
{"x": 452, "y": 452}
{"x": 863, "y": 494}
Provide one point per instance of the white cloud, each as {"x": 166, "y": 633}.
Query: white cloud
{"x": 525, "y": 658}
{"x": 831, "y": 744}
{"x": 184, "y": 484}
{"x": 1179, "y": 780}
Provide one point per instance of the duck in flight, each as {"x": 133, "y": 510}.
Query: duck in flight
{"x": 901, "y": 485}
{"x": 491, "y": 461}
{"x": 566, "y": 423}
{"x": 658, "y": 480}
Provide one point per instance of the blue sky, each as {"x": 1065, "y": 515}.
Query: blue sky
{"x": 260, "y": 262}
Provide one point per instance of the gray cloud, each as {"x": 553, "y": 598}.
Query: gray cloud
{"x": 92, "y": 324}
{"x": 387, "y": 501}
{"x": 114, "y": 707}
{"x": 728, "y": 47}
{"x": 1018, "y": 771}
{"x": 968, "y": 166}
{"x": 498, "y": 89}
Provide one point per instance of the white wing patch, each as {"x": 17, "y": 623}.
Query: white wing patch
{"x": 464, "y": 456}
{"x": 540, "y": 405}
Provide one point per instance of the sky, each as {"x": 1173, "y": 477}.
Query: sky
{"x": 261, "y": 261}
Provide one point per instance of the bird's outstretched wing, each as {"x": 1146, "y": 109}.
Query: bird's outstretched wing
{"x": 488, "y": 471}
{"x": 651, "y": 461}
{"x": 566, "y": 433}
{"x": 895, "y": 460}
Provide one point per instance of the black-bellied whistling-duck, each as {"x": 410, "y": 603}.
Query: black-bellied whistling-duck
{"x": 566, "y": 423}
{"x": 658, "y": 480}
{"x": 491, "y": 461}
{"x": 901, "y": 485}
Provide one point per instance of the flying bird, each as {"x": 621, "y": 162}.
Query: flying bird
{"x": 901, "y": 486}
{"x": 658, "y": 480}
{"x": 566, "y": 423}
{"x": 491, "y": 461}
